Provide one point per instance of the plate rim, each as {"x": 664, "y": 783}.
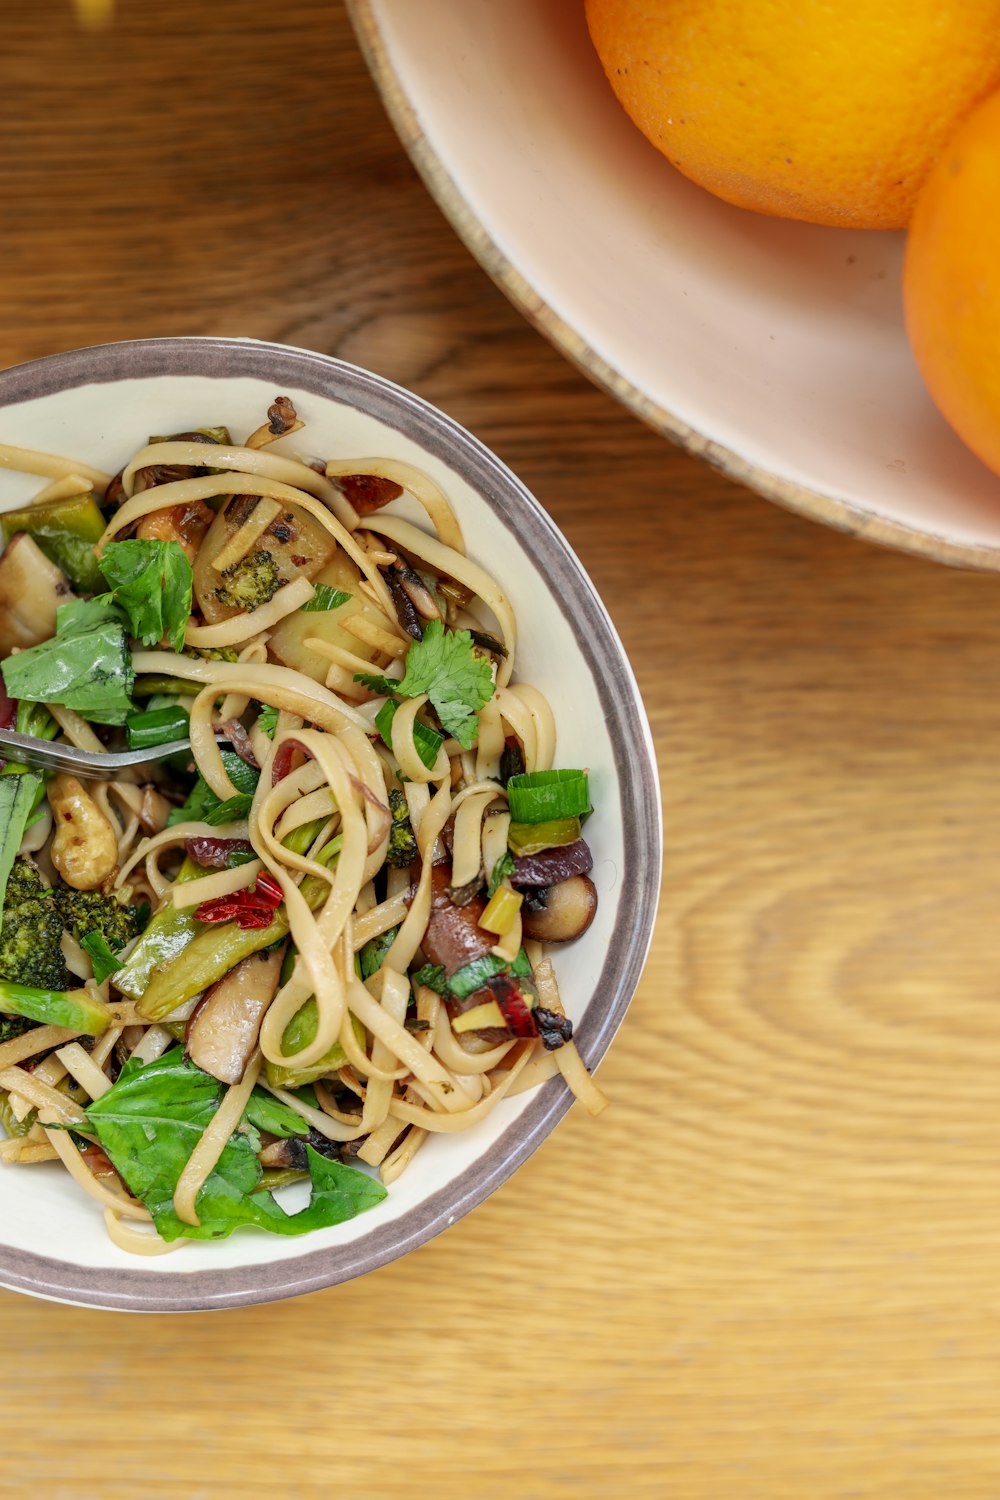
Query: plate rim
{"x": 841, "y": 515}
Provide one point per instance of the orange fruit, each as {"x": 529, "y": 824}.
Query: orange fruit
{"x": 806, "y": 109}
{"x": 951, "y": 282}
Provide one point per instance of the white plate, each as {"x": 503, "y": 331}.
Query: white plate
{"x": 100, "y": 404}
{"x": 774, "y": 350}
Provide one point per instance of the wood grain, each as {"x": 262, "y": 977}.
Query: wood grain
{"x": 771, "y": 1269}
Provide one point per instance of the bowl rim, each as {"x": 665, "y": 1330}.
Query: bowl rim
{"x": 842, "y": 515}
{"x": 143, "y": 1289}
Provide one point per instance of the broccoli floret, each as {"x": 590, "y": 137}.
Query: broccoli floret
{"x": 402, "y": 848}
{"x": 24, "y": 883}
{"x": 212, "y": 653}
{"x": 31, "y": 932}
{"x": 250, "y": 582}
{"x": 83, "y": 912}
{"x": 30, "y": 948}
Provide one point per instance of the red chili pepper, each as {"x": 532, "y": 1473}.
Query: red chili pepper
{"x": 268, "y": 889}
{"x": 245, "y": 912}
{"x": 254, "y": 916}
{"x": 513, "y": 1005}
{"x": 246, "y": 908}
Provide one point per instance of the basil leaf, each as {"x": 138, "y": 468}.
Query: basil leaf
{"x": 17, "y": 797}
{"x": 86, "y": 666}
{"x": 373, "y": 953}
{"x": 267, "y": 1113}
{"x": 203, "y": 806}
{"x": 230, "y": 811}
{"x": 149, "y": 1123}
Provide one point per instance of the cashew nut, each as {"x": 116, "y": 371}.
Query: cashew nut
{"x": 85, "y": 847}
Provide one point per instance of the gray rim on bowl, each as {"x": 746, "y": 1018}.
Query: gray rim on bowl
{"x": 842, "y": 515}
{"x": 144, "y": 1290}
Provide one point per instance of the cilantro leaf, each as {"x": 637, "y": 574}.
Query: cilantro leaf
{"x": 86, "y": 666}
{"x": 151, "y": 580}
{"x": 444, "y": 665}
{"x": 150, "y": 1121}
{"x": 377, "y": 684}
{"x": 267, "y": 720}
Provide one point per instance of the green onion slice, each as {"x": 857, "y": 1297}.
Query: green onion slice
{"x": 544, "y": 796}
{"x": 158, "y": 726}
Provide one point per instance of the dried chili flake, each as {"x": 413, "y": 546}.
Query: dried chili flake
{"x": 553, "y": 1028}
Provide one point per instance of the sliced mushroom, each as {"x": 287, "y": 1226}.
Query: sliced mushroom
{"x": 281, "y": 420}
{"x": 157, "y": 474}
{"x": 223, "y": 1031}
{"x": 31, "y": 590}
{"x": 453, "y": 937}
{"x": 291, "y": 1152}
{"x": 154, "y": 809}
{"x": 413, "y": 599}
{"x": 562, "y": 912}
{"x": 238, "y": 737}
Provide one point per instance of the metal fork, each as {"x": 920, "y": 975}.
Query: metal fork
{"x": 41, "y": 755}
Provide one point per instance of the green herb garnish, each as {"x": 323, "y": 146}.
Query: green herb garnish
{"x": 86, "y": 666}
{"x": 150, "y": 1122}
{"x": 446, "y": 667}
{"x": 151, "y": 581}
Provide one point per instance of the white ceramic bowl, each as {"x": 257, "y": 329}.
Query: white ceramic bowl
{"x": 100, "y": 404}
{"x": 774, "y": 350}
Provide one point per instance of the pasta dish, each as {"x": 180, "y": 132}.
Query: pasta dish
{"x": 319, "y": 931}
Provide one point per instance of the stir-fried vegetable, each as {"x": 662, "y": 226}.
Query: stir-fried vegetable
{"x": 76, "y": 1009}
{"x": 548, "y": 796}
{"x": 66, "y": 531}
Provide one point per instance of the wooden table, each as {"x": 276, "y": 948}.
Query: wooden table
{"x": 771, "y": 1270}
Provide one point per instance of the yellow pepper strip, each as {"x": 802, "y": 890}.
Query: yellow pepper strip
{"x": 501, "y": 911}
